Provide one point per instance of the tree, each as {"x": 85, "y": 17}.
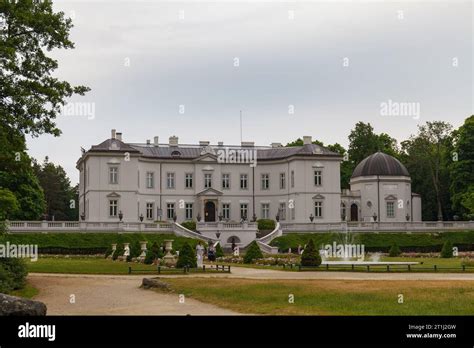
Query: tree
{"x": 8, "y": 203}
{"x": 253, "y": 253}
{"x": 310, "y": 256}
{"x": 394, "y": 250}
{"x": 462, "y": 170}
{"x": 30, "y": 97}
{"x": 187, "y": 257}
{"x": 61, "y": 199}
{"x": 430, "y": 153}
{"x": 219, "y": 251}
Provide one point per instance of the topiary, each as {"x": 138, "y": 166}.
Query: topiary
{"x": 118, "y": 252}
{"x": 156, "y": 250}
{"x": 310, "y": 256}
{"x": 253, "y": 253}
{"x": 149, "y": 257}
{"x": 447, "y": 251}
{"x": 219, "y": 251}
{"x": 187, "y": 257}
{"x": 394, "y": 250}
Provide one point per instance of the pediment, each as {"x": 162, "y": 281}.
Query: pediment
{"x": 210, "y": 192}
{"x": 207, "y": 157}
{"x": 113, "y": 195}
{"x": 318, "y": 196}
{"x": 391, "y": 198}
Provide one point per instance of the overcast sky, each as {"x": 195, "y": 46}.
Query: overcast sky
{"x": 332, "y": 63}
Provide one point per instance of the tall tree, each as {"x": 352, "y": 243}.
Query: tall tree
{"x": 431, "y": 151}
{"x": 30, "y": 97}
{"x": 61, "y": 199}
{"x": 462, "y": 169}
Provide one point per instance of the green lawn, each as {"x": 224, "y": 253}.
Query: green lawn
{"x": 27, "y": 292}
{"x": 332, "y": 297}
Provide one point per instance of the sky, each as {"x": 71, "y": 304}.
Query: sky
{"x": 187, "y": 68}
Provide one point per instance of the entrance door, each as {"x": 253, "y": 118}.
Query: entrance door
{"x": 354, "y": 212}
{"x": 210, "y": 211}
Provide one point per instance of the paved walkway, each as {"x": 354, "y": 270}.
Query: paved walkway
{"x": 112, "y": 295}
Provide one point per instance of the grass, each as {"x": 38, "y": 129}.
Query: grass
{"x": 29, "y": 291}
{"x": 332, "y": 297}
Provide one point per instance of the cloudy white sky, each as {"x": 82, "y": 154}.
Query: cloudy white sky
{"x": 143, "y": 59}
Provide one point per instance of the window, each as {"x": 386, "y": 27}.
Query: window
{"x": 265, "y": 181}
{"x": 265, "y": 210}
{"x": 292, "y": 178}
{"x": 113, "y": 207}
{"x": 150, "y": 179}
{"x": 282, "y": 211}
{"x": 207, "y": 180}
{"x": 244, "y": 181}
{"x": 243, "y": 211}
{"x": 226, "y": 181}
{"x": 189, "y": 211}
{"x": 149, "y": 211}
{"x": 318, "y": 178}
{"x": 390, "y": 209}
{"x": 226, "y": 211}
{"x": 188, "y": 180}
{"x": 170, "y": 180}
{"x": 170, "y": 211}
{"x": 113, "y": 175}
{"x": 282, "y": 181}
{"x": 318, "y": 209}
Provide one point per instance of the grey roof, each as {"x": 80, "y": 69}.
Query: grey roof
{"x": 195, "y": 151}
{"x": 380, "y": 164}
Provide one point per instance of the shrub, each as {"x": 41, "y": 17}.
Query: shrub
{"x": 6, "y": 281}
{"x": 253, "y": 252}
{"x": 447, "y": 251}
{"x": 219, "y": 251}
{"x": 394, "y": 250}
{"x": 118, "y": 252}
{"x": 16, "y": 272}
{"x": 149, "y": 257}
{"x": 266, "y": 224}
{"x": 156, "y": 250}
{"x": 187, "y": 257}
{"x": 108, "y": 252}
{"x": 190, "y": 225}
{"x": 135, "y": 249}
{"x": 310, "y": 256}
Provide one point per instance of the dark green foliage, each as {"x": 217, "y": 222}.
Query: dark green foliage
{"x": 108, "y": 252}
{"x": 266, "y": 224}
{"x": 187, "y": 257}
{"x": 118, "y": 252}
{"x": 394, "y": 250}
{"x": 310, "y": 256}
{"x": 149, "y": 257}
{"x": 447, "y": 251}
{"x": 253, "y": 253}
{"x": 135, "y": 249}
{"x": 14, "y": 272}
{"x": 190, "y": 225}
{"x": 157, "y": 251}
{"x": 219, "y": 251}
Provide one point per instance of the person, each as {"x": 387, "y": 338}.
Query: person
{"x": 211, "y": 254}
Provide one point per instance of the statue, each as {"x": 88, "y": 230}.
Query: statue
{"x": 236, "y": 251}
{"x": 199, "y": 254}
{"x": 126, "y": 249}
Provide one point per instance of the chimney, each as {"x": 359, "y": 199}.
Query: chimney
{"x": 220, "y": 143}
{"x": 204, "y": 143}
{"x": 274, "y": 145}
{"x": 174, "y": 140}
{"x": 119, "y": 136}
{"x": 148, "y": 142}
{"x": 247, "y": 143}
{"x": 113, "y": 134}
{"x": 307, "y": 140}
{"x": 155, "y": 141}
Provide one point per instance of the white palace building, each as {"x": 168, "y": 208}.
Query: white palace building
{"x": 152, "y": 181}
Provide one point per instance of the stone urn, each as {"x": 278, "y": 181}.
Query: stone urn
{"x": 143, "y": 249}
{"x": 114, "y": 249}
{"x": 169, "y": 259}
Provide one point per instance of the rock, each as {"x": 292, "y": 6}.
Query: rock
{"x": 148, "y": 283}
{"x": 12, "y": 305}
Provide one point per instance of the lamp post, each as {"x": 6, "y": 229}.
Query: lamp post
{"x": 175, "y": 217}
{"x": 375, "y": 217}
{"x": 83, "y": 216}
{"x": 120, "y": 215}
{"x": 311, "y": 217}
{"x": 141, "y": 217}
{"x": 277, "y": 218}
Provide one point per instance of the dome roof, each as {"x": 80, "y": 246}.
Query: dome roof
{"x": 380, "y": 164}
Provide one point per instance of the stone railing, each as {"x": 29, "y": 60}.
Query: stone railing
{"x": 362, "y": 226}
{"x": 226, "y": 226}
{"x": 263, "y": 242}
{"x": 86, "y": 226}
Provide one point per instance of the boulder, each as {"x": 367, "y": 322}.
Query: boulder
{"x": 12, "y": 305}
{"x": 149, "y": 283}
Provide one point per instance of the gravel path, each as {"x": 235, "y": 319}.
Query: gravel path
{"x": 112, "y": 295}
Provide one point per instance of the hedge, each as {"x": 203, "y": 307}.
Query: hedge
{"x": 414, "y": 242}
{"x": 89, "y": 243}
{"x": 266, "y": 224}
